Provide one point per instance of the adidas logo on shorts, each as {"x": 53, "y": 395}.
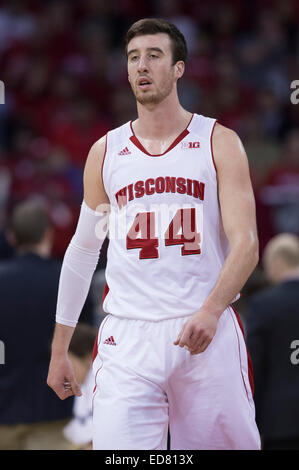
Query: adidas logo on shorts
{"x": 110, "y": 341}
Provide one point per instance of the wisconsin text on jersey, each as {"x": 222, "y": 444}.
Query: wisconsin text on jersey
{"x": 167, "y": 184}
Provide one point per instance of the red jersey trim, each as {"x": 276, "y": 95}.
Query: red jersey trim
{"x": 102, "y": 167}
{"x": 180, "y": 137}
{"x": 99, "y": 337}
{"x": 105, "y": 292}
{"x": 249, "y": 361}
{"x": 213, "y": 159}
{"x": 95, "y": 354}
{"x": 95, "y": 346}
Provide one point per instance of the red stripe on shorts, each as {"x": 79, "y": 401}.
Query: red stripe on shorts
{"x": 250, "y": 368}
{"x": 105, "y": 292}
{"x": 95, "y": 348}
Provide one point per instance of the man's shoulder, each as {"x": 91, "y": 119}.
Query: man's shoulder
{"x": 224, "y": 134}
{"x": 12, "y": 271}
{"x": 269, "y": 297}
{"x": 115, "y": 136}
{"x": 16, "y": 263}
{"x": 264, "y": 294}
{"x": 7, "y": 265}
{"x": 229, "y": 153}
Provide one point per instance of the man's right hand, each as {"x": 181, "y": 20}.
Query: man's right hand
{"x": 61, "y": 377}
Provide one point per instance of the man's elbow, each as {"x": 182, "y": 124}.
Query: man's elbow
{"x": 247, "y": 247}
{"x": 253, "y": 252}
{"x": 256, "y": 255}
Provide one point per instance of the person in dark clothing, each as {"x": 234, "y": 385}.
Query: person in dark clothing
{"x": 272, "y": 330}
{"x": 82, "y": 346}
{"x": 31, "y": 415}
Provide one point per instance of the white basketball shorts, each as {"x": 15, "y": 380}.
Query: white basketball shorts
{"x": 144, "y": 385}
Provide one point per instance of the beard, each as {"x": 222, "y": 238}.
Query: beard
{"x": 154, "y": 96}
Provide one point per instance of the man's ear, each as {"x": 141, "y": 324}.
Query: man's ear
{"x": 180, "y": 69}
{"x": 49, "y": 235}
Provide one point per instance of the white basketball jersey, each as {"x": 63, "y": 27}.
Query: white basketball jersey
{"x": 166, "y": 239}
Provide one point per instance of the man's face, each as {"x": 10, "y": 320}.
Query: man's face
{"x": 151, "y": 73}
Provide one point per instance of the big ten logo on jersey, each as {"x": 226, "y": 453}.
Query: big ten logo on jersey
{"x": 190, "y": 145}
{"x": 148, "y": 230}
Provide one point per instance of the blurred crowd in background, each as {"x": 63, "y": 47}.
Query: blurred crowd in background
{"x": 64, "y": 69}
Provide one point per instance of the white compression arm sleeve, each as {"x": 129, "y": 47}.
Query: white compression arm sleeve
{"x": 79, "y": 263}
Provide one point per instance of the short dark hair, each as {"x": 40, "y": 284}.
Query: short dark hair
{"x": 29, "y": 223}
{"x": 158, "y": 25}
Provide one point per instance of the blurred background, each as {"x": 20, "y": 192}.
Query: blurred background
{"x": 64, "y": 70}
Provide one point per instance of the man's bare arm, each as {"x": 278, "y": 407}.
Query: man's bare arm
{"x": 237, "y": 208}
{"x": 94, "y": 191}
{"x": 61, "y": 369}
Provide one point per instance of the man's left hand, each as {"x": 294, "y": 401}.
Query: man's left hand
{"x": 197, "y": 333}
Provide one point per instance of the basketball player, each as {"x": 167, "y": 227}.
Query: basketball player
{"x": 170, "y": 353}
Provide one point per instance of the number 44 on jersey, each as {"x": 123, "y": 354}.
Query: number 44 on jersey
{"x": 183, "y": 230}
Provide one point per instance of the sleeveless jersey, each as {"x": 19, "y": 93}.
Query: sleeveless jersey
{"x": 166, "y": 239}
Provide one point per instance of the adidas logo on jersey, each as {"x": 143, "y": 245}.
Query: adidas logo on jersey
{"x": 125, "y": 151}
{"x": 110, "y": 341}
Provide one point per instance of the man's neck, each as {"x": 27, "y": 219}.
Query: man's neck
{"x": 40, "y": 250}
{"x": 292, "y": 275}
{"x": 161, "y": 121}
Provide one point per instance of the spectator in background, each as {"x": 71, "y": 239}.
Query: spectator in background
{"x": 272, "y": 326}
{"x": 278, "y": 199}
{"x": 31, "y": 415}
{"x": 62, "y": 65}
{"x": 79, "y": 430}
